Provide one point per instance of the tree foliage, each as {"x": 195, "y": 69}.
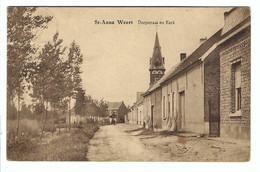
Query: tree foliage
{"x": 21, "y": 24}
{"x": 52, "y": 74}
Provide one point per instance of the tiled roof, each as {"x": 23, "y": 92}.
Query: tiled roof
{"x": 234, "y": 17}
{"x": 139, "y": 101}
{"x": 157, "y": 84}
{"x": 92, "y": 109}
{"x": 114, "y": 105}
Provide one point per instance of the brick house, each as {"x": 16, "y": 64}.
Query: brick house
{"x": 235, "y": 74}
{"x": 117, "y": 110}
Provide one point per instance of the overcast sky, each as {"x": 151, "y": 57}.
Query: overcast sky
{"x": 116, "y": 57}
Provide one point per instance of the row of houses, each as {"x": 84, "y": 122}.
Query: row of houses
{"x": 207, "y": 92}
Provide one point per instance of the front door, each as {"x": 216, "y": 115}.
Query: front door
{"x": 214, "y": 129}
{"x": 152, "y": 109}
{"x": 181, "y": 115}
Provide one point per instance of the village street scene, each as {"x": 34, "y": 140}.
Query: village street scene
{"x": 128, "y": 84}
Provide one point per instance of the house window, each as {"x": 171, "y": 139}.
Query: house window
{"x": 163, "y": 106}
{"x": 238, "y": 99}
{"x": 236, "y": 86}
{"x": 172, "y": 104}
{"x": 169, "y": 105}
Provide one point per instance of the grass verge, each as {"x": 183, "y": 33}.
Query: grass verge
{"x": 65, "y": 146}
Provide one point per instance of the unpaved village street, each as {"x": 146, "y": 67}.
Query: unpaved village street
{"x": 112, "y": 143}
{"x": 125, "y": 142}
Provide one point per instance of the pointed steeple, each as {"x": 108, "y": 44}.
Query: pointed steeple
{"x": 156, "y": 44}
{"x": 156, "y": 62}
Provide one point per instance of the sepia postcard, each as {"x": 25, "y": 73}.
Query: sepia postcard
{"x": 131, "y": 84}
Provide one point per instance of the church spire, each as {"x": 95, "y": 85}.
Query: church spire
{"x": 156, "y": 62}
{"x": 156, "y": 44}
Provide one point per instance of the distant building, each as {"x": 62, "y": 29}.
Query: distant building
{"x": 92, "y": 114}
{"x": 235, "y": 76}
{"x": 117, "y": 110}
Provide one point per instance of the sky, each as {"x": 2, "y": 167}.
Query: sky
{"x": 116, "y": 57}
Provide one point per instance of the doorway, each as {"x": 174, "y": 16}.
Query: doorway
{"x": 152, "y": 112}
{"x": 214, "y": 119}
{"x": 181, "y": 117}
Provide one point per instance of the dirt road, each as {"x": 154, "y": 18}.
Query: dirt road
{"x": 125, "y": 142}
{"x": 113, "y": 143}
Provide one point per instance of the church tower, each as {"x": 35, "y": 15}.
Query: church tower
{"x": 156, "y": 63}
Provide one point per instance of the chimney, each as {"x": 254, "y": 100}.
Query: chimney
{"x": 202, "y": 40}
{"x": 182, "y": 56}
{"x": 226, "y": 14}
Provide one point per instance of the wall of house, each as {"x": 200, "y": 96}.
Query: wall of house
{"x": 131, "y": 116}
{"x": 147, "y": 111}
{"x": 140, "y": 116}
{"x": 211, "y": 90}
{"x": 155, "y": 99}
{"x": 192, "y": 84}
{"x": 136, "y": 116}
{"x": 237, "y": 47}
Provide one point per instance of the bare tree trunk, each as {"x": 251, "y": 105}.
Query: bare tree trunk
{"x": 13, "y": 110}
{"x": 53, "y": 120}
{"x": 46, "y": 112}
{"x": 18, "y": 113}
{"x": 42, "y": 113}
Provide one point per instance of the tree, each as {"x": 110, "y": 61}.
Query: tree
{"x": 103, "y": 105}
{"x": 81, "y": 101}
{"x": 73, "y": 78}
{"x": 21, "y": 24}
{"x": 48, "y": 75}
